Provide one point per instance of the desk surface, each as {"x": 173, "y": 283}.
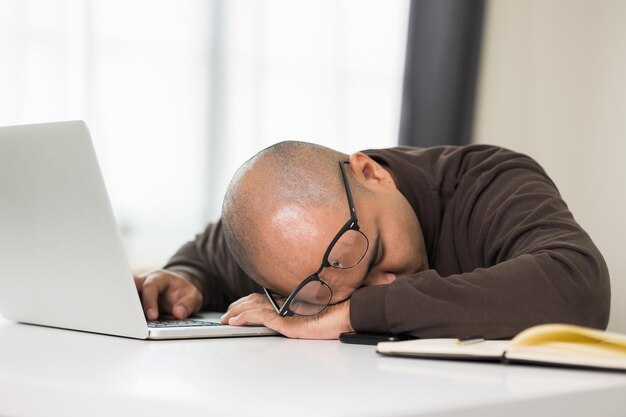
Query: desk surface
{"x": 52, "y": 372}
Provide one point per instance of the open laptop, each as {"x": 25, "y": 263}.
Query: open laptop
{"x": 62, "y": 263}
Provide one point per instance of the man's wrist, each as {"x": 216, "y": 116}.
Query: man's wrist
{"x": 341, "y": 315}
{"x": 347, "y": 324}
{"x": 367, "y": 309}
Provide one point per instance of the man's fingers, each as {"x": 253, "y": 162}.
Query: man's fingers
{"x": 293, "y": 327}
{"x": 327, "y": 325}
{"x": 153, "y": 286}
{"x": 263, "y": 316}
{"x": 249, "y": 302}
{"x": 187, "y": 305}
{"x": 257, "y": 309}
{"x": 168, "y": 292}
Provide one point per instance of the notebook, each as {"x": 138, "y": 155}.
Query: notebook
{"x": 547, "y": 344}
{"x": 63, "y": 262}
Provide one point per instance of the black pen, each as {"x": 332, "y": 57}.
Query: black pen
{"x": 470, "y": 340}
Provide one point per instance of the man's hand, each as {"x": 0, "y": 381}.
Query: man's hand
{"x": 256, "y": 309}
{"x": 168, "y": 292}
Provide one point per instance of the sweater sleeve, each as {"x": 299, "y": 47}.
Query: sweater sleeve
{"x": 210, "y": 265}
{"x": 534, "y": 264}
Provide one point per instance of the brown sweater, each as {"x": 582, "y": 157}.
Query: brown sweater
{"x": 504, "y": 249}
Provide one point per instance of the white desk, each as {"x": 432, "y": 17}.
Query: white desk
{"x": 51, "y": 372}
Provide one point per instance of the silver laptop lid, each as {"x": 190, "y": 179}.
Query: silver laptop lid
{"x": 62, "y": 262}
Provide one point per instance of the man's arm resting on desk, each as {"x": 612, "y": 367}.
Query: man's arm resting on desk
{"x": 529, "y": 263}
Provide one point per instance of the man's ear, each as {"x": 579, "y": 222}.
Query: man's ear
{"x": 370, "y": 172}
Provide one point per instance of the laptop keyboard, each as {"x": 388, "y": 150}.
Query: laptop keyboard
{"x": 181, "y": 323}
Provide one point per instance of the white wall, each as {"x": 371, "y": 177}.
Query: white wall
{"x": 553, "y": 85}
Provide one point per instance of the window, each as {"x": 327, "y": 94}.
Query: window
{"x": 178, "y": 95}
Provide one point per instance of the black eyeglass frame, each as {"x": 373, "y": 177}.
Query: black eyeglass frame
{"x": 351, "y": 224}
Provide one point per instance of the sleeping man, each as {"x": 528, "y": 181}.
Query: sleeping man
{"x": 435, "y": 242}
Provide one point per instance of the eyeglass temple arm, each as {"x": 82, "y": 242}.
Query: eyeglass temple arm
{"x": 348, "y": 191}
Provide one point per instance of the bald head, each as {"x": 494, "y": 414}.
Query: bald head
{"x": 275, "y": 195}
{"x": 284, "y": 206}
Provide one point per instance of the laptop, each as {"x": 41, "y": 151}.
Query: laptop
{"x": 62, "y": 262}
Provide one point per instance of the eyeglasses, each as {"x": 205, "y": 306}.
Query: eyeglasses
{"x": 346, "y": 250}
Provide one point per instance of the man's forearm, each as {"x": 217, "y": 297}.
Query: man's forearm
{"x": 495, "y": 302}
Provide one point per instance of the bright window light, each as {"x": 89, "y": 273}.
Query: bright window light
{"x": 178, "y": 94}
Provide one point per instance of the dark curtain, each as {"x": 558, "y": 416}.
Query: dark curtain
{"x": 442, "y": 53}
